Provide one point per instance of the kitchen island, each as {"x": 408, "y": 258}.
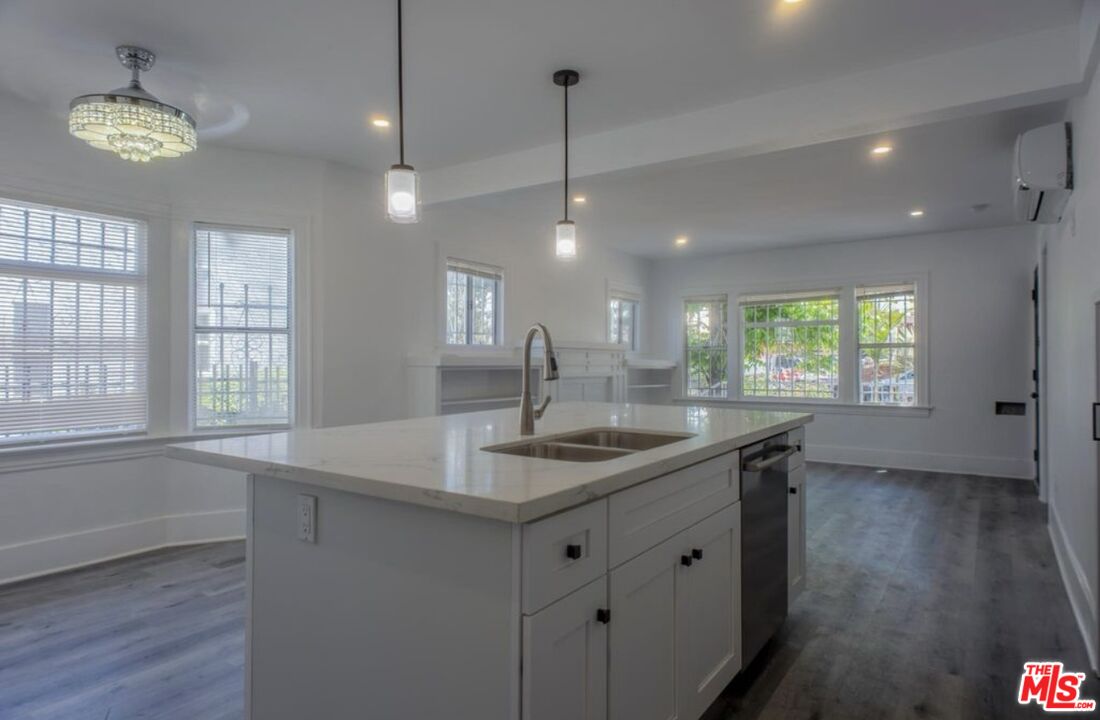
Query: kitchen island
{"x": 428, "y": 568}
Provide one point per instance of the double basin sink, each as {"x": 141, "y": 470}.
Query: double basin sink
{"x": 590, "y": 444}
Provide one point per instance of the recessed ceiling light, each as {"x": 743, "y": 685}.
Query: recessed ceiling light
{"x": 792, "y": 2}
{"x": 681, "y": 241}
{"x": 916, "y": 213}
{"x": 580, "y": 199}
{"x": 882, "y": 150}
{"x": 380, "y": 122}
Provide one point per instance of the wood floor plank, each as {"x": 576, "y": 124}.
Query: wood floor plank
{"x": 925, "y": 594}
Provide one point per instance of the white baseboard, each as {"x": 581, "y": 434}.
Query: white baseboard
{"x": 1081, "y": 597}
{"x": 45, "y": 556}
{"x": 929, "y": 462}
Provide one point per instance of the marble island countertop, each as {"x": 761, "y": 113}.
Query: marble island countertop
{"x": 439, "y": 462}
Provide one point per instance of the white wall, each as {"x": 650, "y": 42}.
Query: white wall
{"x": 373, "y": 299}
{"x": 1072, "y": 291}
{"x": 978, "y": 320}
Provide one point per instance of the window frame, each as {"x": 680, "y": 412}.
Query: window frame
{"x": 472, "y": 269}
{"x": 686, "y": 349}
{"x": 918, "y": 377}
{"x": 632, "y": 346}
{"x": 776, "y": 299}
{"x": 848, "y": 400}
{"x": 144, "y": 251}
{"x": 294, "y": 355}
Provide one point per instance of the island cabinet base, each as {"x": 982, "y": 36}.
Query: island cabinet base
{"x": 626, "y": 607}
{"x": 396, "y": 612}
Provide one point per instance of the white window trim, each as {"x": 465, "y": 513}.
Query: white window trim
{"x": 704, "y": 296}
{"x": 623, "y": 291}
{"x": 48, "y": 196}
{"x": 498, "y": 321}
{"x": 292, "y": 332}
{"x": 848, "y": 403}
{"x": 301, "y": 359}
{"x": 168, "y": 327}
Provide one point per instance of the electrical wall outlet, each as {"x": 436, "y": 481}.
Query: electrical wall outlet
{"x": 307, "y": 518}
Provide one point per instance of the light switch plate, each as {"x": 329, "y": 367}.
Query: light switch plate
{"x": 307, "y": 518}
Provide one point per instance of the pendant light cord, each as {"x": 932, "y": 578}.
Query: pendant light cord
{"x": 565, "y": 197}
{"x": 400, "y": 86}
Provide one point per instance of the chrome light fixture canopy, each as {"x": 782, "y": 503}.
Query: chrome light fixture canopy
{"x": 402, "y": 181}
{"x": 565, "y": 241}
{"x": 129, "y": 121}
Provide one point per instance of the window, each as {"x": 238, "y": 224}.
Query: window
{"x": 706, "y": 350}
{"x": 243, "y": 319}
{"x": 887, "y": 344}
{"x": 73, "y": 349}
{"x": 623, "y": 321}
{"x": 473, "y": 303}
{"x": 791, "y": 346}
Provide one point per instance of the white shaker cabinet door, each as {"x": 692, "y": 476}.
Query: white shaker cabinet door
{"x": 642, "y": 683}
{"x": 708, "y": 611}
{"x": 565, "y": 658}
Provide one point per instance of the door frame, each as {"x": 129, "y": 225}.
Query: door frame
{"x": 1040, "y": 434}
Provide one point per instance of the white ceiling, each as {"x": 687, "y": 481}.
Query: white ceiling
{"x": 301, "y": 76}
{"x": 818, "y": 193}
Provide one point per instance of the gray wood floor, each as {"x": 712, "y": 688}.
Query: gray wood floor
{"x": 926, "y": 594}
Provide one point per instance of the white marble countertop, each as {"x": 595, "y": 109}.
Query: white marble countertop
{"x": 438, "y": 461}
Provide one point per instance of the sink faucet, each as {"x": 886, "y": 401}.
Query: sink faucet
{"x": 527, "y": 414}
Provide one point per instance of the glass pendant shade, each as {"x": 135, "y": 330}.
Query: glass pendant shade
{"x": 129, "y": 121}
{"x": 402, "y": 194}
{"x": 566, "y": 244}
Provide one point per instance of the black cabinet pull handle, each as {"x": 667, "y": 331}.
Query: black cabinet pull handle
{"x": 573, "y": 552}
{"x": 603, "y": 615}
{"x": 685, "y": 560}
{"x": 794, "y": 491}
{"x": 697, "y": 553}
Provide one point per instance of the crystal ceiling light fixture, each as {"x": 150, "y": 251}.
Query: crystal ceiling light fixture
{"x": 566, "y": 234}
{"x": 402, "y": 182}
{"x": 129, "y": 121}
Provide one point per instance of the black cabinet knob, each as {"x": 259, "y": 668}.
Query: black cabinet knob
{"x": 697, "y": 553}
{"x": 573, "y": 552}
{"x": 794, "y": 491}
{"x": 686, "y": 560}
{"x": 603, "y": 615}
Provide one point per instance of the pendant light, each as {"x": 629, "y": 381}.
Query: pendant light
{"x": 129, "y": 121}
{"x": 565, "y": 246}
{"x": 402, "y": 182}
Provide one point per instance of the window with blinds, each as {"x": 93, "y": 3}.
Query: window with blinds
{"x": 887, "y": 319}
{"x": 473, "y": 303}
{"x": 243, "y": 323}
{"x": 791, "y": 345}
{"x": 73, "y": 347}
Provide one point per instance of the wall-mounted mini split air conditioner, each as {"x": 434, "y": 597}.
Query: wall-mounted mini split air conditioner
{"x": 1043, "y": 173}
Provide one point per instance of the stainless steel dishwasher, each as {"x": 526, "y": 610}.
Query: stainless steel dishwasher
{"x": 763, "y": 542}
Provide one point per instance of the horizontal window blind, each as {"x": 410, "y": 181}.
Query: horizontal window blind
{"x": 243, "y": 322}
{"x": 73, "y": 341}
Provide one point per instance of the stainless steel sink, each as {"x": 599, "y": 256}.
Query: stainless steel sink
{"x": 634, "y": 440}
{"x": 560, "y": 451}
{"x": 590, "y": 444}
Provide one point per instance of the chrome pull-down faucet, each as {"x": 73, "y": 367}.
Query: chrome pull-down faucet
{"x": 528, "y": 414}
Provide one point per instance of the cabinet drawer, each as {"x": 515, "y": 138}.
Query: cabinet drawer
{"x": 562, "y": 553}
{"x": 654, "y": 511}
{"x": 797, "y": 437}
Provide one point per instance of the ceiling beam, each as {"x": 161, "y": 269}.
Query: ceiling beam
{"x": 1028, "y": 69}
